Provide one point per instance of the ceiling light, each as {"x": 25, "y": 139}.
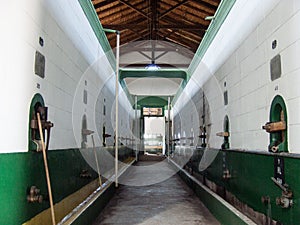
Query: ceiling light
{"x": 152, "y": 66}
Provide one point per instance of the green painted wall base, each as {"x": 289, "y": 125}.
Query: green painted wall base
{"x": 91, "y": 213}
{"x": 223, "y": 212}
{"x": 249, "y": 180}
{"x": 20, "y": 171}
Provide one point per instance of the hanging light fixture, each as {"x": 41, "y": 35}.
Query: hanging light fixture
{"x": 152, "y": 66}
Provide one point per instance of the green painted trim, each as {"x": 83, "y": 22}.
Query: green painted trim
{"x": 152, "y": 101}
{"x": 277, "y": 105}
{"x": 125, "y": 89}
{"x": 140, "y": 73}
{"x": 215, "y": 25}
{"x": 37, "y": 98}
{"x": 93, "y": 19}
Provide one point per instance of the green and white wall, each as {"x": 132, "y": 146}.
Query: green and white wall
{"x": 74, "y": 61}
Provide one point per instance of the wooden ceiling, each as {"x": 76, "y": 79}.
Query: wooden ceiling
{"x": 181, "y": 22}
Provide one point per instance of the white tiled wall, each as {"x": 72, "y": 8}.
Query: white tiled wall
{"x": 70, "y": 48}
{"x": 246, "y": 71}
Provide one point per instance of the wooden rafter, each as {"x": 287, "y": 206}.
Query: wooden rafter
{"x": 161, "y": 27}
{"x": 174, "y": 7}
{"x": 134, "y": 8}
{"x": 181, "y": 22}
{"x": 104, "y": 3}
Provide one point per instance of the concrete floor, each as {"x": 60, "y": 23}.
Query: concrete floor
{"x": 167, "y": 202}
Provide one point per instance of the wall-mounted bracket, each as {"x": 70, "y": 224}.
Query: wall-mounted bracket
{"x": 274, "y": 126}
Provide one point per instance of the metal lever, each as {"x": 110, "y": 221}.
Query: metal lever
{"x": 87, "y": 132}
{"x": 285, "y": 200}
{"x": 271, "y": 127}
{"x": 283, "y": 188}
{"x": 223, "y": 134}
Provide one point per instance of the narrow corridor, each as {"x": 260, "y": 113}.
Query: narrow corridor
{"x": 167, "y": 202}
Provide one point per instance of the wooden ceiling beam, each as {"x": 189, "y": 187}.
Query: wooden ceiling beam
{"x": 198, "y": 11}
{"x": 189, "y": 37}
{"x": 176, "y": 19}
{"x": 161, "y": 27}
{"x": 101, "y": 4}
{"x": 154, "y": 21}
{"x": 169, "y": 33}
{"x": 118, "y": 15}
{"x": 183, "y": 51}
{"x": 172, "y": 8}
{"x": 178, "y": 22}
{"x": 174, "y": 40}
{"x": 148, "y": 49}
{"x": 184, "y": 15}
{"x": 190, "y": 33}
{"x": 112, "y": 11}
{"x": 134, "y": 8}
{"x": 178, "y": 39}
{"x": 211, "y": 9}
{"x": 137, "y": 36}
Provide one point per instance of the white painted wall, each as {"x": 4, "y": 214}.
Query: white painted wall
{"x": 240, "y": 56}
{"x": 73, "y": 56}
{"x": 155, "y": 125}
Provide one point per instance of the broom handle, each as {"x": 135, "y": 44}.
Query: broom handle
{"x": 46, "y": 168}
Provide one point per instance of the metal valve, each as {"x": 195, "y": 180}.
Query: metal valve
{"x": 285, "y": 200}
{"x": 34, "y": 195}
{"x": 226, "y": 174}
{"x": 85, "y": 174}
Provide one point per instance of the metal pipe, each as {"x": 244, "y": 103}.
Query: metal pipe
{"x": 110, "y": 30}
{"x": 46, "y": 168}
{"x": 117, "y": 107}
{"x": 168, "y": 131}
{"x": 117, "y": 100}
{"x": 136, "y": 130}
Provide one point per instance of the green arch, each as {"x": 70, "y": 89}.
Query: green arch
{"x": 153, "y": 101}
{"x": 277, "y": 106}
{"x": 37, "y": 99}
